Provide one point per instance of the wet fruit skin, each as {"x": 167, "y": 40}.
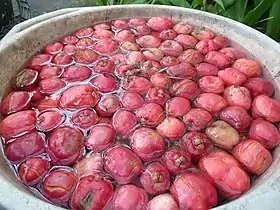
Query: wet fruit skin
{"x": 104, "y": 83}
{"x": 226, "y": 173}
{"x": 197, "y": 119}
{"x": 211, "y": 84}
{"x": 259, "y": 86}
{"x": 196, "y": 144}
{"x": 157, "y": 95}
{"x": 59, "y": 185}
{"x": 138, "y": 84}
{"x": 171, "y": 128}
{"x": 33, "y": 170}
{"x": 191, "y": 56}
{"x": 182, "y": 70}
{"x": 147, "y": 144}
{"x": 122, "y": 164}
{"x": 50, "y": 71}
{"x": 211, "y": 102}
{"x": 163, "y": 201}
{"x": 49, "y": 120}
{"x": 155, "y": 179}
{"x": 193, "y": 191}
{"x": 177, "y": 106}
{"x": 185, "y": 88}
{"x": 76, "y": 73}
{"x": 159, "y": 23}
{"x": 176, "y": 160}
{"x": 129, "y": 197}
{"x": 233, "y": 53}
{"x": 51, "y": 85}
{"x": 248, "y": 67}
{"x": 131, "y": 100}
{"x": 206, "y": 69}
{"x": 264, "y": 132}
{"x": 161, "y": 80}
{"x": 84, "y": 118}
{"x": 15, "y": 101}
{"x": 26, "y": 79}
{"x": 218, "y": 59}
{"x": 123, "y": 121}
{"x": 232, "y": 76}
{"x": 253, "y": 156}
{"x": 107, "y": 106}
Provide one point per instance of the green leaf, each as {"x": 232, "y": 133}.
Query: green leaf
{"x": 164, "y": 2}
{"x": 257, "y": 2}
{"x": 273, "y": 26}
{"x": 254, "y": 15}
{"x": 101, "y": 2}
{"x": 140, "y": 2}
{"x": 237, "y": 10}
{"x": 220, "y": 3}
{"x": 181, "y": 3}
{"x": 197, "y": 3}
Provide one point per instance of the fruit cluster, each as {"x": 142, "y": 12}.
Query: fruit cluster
{"x": 128, "y": 110}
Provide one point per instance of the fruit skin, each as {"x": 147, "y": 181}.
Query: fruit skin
{"x": 46, "y": 104}
{"x": 18, "y": 124}
{"x": 137, "y": 84}
{"x": 193, "y": 191}
{"x": 160, "y": 80}
{"x": 176, "y": 160}
{"x": 183, "y": 28}
{"x": 104, "y": 83}
{"x": 84, "y": 32}
{"x": 191, "y": 56}
{"x": 177, "y": 106}
{"x": 223, "y": 134}
{"x": 26, "y": 79}
{"x": 160, "y": 23}
{"x": 206, "y": 69}
{"x": 169, "y": 61}
{"x": 33, "y": 170}
{"x": 155, "y": 179}
{"x": 186, "y": 41}
{"x": 62, "y": 59}
{"x": 221, "y": 41}
{"x": 253, "y": 156}
{"x": 59, "y": 185}
{"x": 51, "y": 85}
{"x": 185, "y": 88}
{"x": 134, "y": 58}
{"x": 147, "y": 144}
{"x": 85, "y": 118}
{"x": 233, "y": 53}
{"x": 171, "y": 128}
{"x": 153, "y": 54}
{"x": 104, "y": 66}
{"x": 30, "y": 144}
{"x": 232, "y": 76}
{"x": 15, "y": 101}
{"x": 182, "y": 70}
{"x": 211, "y": 102}
{"x": 85, "y": 56}
{"x": 150, "y": 67}
{"x": 106, "y": 46}
{"x": 265, "y": 107}
{"x": 205, "y": 46}
{"x": 48, "y": 120}
{"x": 157, "y": 95}
{"x": 197, "y": 119}
{"x": 236, "y": 116}
{"x": 122, "y": 164}
{"x": 65, "y": 145}
{"x": 203, "y": 34}
{"x": 131, "y": 100}
{"x": 123, "y": 121}
{"x": 248, "y": 67}
{"x": 150, "y": 114}
{"x": 264, "y": 132}
{"x": 196, "y": 144}
{"x": 100, "y": 137}
{"x": 218, "y": 59}
{"x": 39, "y": 61}
{"x": 259, "y": 86}
{"x": 171, "y": 47}
{"x": 168, "y": 34}
{"x": 107, "y": 106}
{"x": 226, "y": 173}
{"x": 129, "y": 197}
{"x": 148, "y": 41}
{"x": 50, "y": 71}
{"x": 125, "y": 35}
{"x": 163, "y": 201}
{"x": 211, "y": 84}
{"x": 76, "y": 73}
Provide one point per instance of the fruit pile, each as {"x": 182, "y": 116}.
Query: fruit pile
{"x": 140, "y": 114}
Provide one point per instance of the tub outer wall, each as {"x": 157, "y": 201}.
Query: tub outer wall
{"x": 27, "y": 38}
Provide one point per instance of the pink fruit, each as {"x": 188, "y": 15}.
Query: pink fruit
{"x": 182, "y": 70}
{"x": 106, "y": 120}
{"x": 264, "y": 132}
{"x": 157, "y": 95}
{"x": 193, "y": 191}
{"x": 221, "y": 41}
{"x": 171, "y": 47}
{"x": 86, "y": 56}
{"x": 65, "y": 145}
{"x": 232, "y": 76}
{"x": 129, "y": 46}
{"x": 79, "y": 96}
{"x": 18, "y": 124}
{"x": 131, "y": 100}
{"x": 15, "y": 101}
{"x": 119, "y": 24}
{"x": 197, "y": 119}
{"x": 196, "y": 144}
{"x": 51, "y": 85}
{"x": 176, "y": 160}
{"x": 223, "y": 134}
{"x": 171, "y": 128}
{"x": 125, "y": 70}
{"x": 62, "y": 59}
{"x": 148, "y": 41}
{"x": 102, "y": 34}
{"x": 100, "y": 137}
{"x": 150, "y": 114}
{"x": 92, "y": 192}
{"x": 211, "y": 102}
{"x": 85, "y": 43}
{"x": 106, "y": 46}
{"x": 84, "y": 32}
{"x": 177, "y": 106}
{"x": 133, "y": 22}
{"x": 84, "y": 118}
{"x": 122, "y": 164}
{"x": 91, "y": 164}
{"x": 155, "y": 179}
{"x": 191, "y": 56}
{"x": 183, "y": 28}
{"x": 149, "y": 67}
{"x": 59, "y": 185}
{"x": 160, "y": 80}
{"x": 226, "y": 173}
{"x": 70, "y": 40}
{"x": 50, "y": 71}
{"x": 53, "y": 48}
{"x": 237, "y": 116}
{"x": 30, "y": 144}
{"x": 49, "y": 120}
{"x": 33, "y": 170}
{"x": 238, "y": 96}
{"x": 142, "y": 30}
{"x": 160, "y": 23}
{"x": 107, "y": 106}
{"x": 104, "y": 83}
{"x": 134, "y": 58}
{"x": 253, "y": 156}
{"x": 76, "y": 73}
{"x": 233, "y": 53}
{"x": 99, "y": 26}
{"x": 153, "y": 54}
{"x": 136, "y": 84}
{"x": 205, "y": 46}
{"x": 218, "y": 59}
{"x": 163, "y": 201}
{"x": 39, "y": 61}
{"x": 46, "y": 104}
{"x": 259, "y": 86}
{"x": 69, "y": 49}
{"x": 26, "y": 79}
{"x": 125, "y": 35}
{"x": 211, "y": 84}
{"x": 186, "y": 41}
{"x": 248, "y": 67}
{"x": 36, "y": 95}
{"x": 185, "y": 88}
{"x": 147, "y": 144}
{"x": 206, "y": 69}
{"x": 169, "y": 61}
{"x": 123, "y": 121}
{"x": 203, "y": 34}
{"x": 104, "y": 66}
{"x": 168, "y": 34}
